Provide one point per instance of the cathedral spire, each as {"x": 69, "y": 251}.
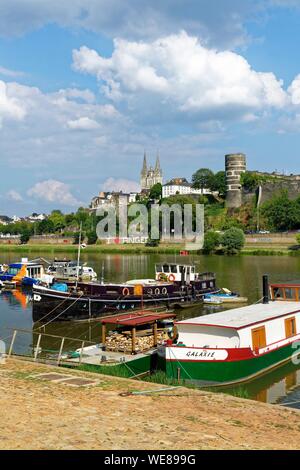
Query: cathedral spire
{"x": 145, "y": 168}
{"x": 157, "y": 164}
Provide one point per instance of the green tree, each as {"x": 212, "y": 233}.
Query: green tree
{"x": 45, "y": 226}
{"x": 281, "y": 213}
{"x": 233, "y": 240}
{"x": 250, "y": 180}
{"x": 92, "y": 237}
{"x": 218, "y": 183}
{"x": 156, "y": 191}
{"x": 202, "y": 179}
{"x": 211, "y": 242}
{"x": 25, "y": 236}
{"x": 58, "y": 220}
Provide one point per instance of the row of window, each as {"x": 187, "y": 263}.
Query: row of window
{"x": 259, "y": 334}
{"x": 285, "y": 293}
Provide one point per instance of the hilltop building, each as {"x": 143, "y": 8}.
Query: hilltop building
{"x": 181, "y": 186}
{"x": 149, "y": 175}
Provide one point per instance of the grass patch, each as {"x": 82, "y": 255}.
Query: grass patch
{"x": 109, "y": 249}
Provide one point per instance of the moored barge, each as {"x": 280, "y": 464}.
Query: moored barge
{"x": 239, "y": 344}
{"x": 173, "y": 283}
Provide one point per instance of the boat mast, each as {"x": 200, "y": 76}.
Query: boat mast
{"x": 78, "y": 254}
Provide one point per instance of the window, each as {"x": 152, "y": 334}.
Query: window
{"x": 278, "y": 293}
{"x": 290, "y": 327}
{"x": 290, "y": 293}
{"x": 166, "y": 268}
{"x": 174, "y": 268}
{"x": 158, "y": 268}
{"x": 259, "y": 338}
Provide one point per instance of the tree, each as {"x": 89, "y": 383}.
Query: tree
{"x": 25, "y": 236}
{"x": 211, "y": 242}
{"x": 218, "y": 183}
{"x": 250, "y": 180}
{"x": 233, "y": 240}
{"x": 92, "y": 237}
{"x": 281, "y": 213}
{"x": 58, "y": 220}
{"x": 156, "y": 191}
{"x": 202, "y": 179}
{"x": 45, "y": 226}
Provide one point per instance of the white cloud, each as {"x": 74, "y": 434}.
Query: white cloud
{"x": 294, "y": 90}
{"x": 75, "y": 93}
{"x": 53, "y": 191}
{"x": 10, "y": 106}
{"x": 10, "y": 73}
{"x": 179, "y": 72}
{"x": 83, "y": 124}
{"x": 14, "y": 196}
{"x": 127, "y": 186}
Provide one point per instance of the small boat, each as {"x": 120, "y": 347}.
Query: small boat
{"x": 224, "y": 296}
{"x": 25, "y": 273}
{"x": 239, "y": 344}
{"x": 212, "y": 300}
{"x": 68, "y": 270}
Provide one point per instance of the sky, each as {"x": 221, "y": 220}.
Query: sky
{"x": 86, "y": 86}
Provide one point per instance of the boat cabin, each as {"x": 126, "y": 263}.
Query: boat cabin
{"x": 287, "y": 292}
{"x": 260, "y": 327}
{"x": 175, "y": 272}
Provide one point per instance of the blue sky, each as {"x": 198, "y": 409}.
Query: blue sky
{"x": 87, "y": 85}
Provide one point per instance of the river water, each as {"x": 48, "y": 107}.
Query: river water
{"x": 242, "y": 274}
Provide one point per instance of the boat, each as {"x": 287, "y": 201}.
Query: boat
{"x": 130, "y": 349}
{"x": 25, "y": 273}
{"x": 212, "y": 300}
{"x": 224, "y": 296}
{"x": 68, "y": 270}
{"x": 173, "y": 283}
{"x": 239, "y": 344}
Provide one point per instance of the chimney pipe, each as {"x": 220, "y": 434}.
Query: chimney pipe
{"x": 265, "y": 289}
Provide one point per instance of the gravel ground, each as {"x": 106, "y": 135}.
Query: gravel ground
{"x": 39, "y": 414}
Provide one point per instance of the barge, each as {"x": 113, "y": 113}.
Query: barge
{"x": 173, "y": 283}
{"x": 240, "y": 344}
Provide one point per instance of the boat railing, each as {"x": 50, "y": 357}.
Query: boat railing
{"x": 206, "y": 276}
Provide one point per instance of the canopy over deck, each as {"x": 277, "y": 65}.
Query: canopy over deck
{"x": 136, "y": 318}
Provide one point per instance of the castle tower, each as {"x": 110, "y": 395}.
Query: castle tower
{"x": 235, "y": 165}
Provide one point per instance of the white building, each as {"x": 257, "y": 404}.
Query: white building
{"x": 181, "y": 186}
{"x": 118, "y": 198}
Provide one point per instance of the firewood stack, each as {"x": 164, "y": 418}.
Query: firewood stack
{"x": 123, "y": 343}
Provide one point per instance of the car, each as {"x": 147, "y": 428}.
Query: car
{"x": 263, "y": 232}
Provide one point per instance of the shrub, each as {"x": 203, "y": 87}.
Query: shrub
{"x": 211, "y": 242}
{"x": 91, "y": 238}
{"x": 233, "y": 240}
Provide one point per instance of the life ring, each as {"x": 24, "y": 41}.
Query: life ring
{"x": 164, "y": 290}
{"x": 171, "y": 278}
{"x": 125, "y": 291}
{"x": 162, "y": 277}
{"x": 157, "y": 291}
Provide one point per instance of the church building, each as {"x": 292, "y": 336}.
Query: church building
{"x": 150, "y": 176}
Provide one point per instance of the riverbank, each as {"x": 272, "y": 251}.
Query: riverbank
{"x": 170, "y": 249}
{"x": 48, "y": 415}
